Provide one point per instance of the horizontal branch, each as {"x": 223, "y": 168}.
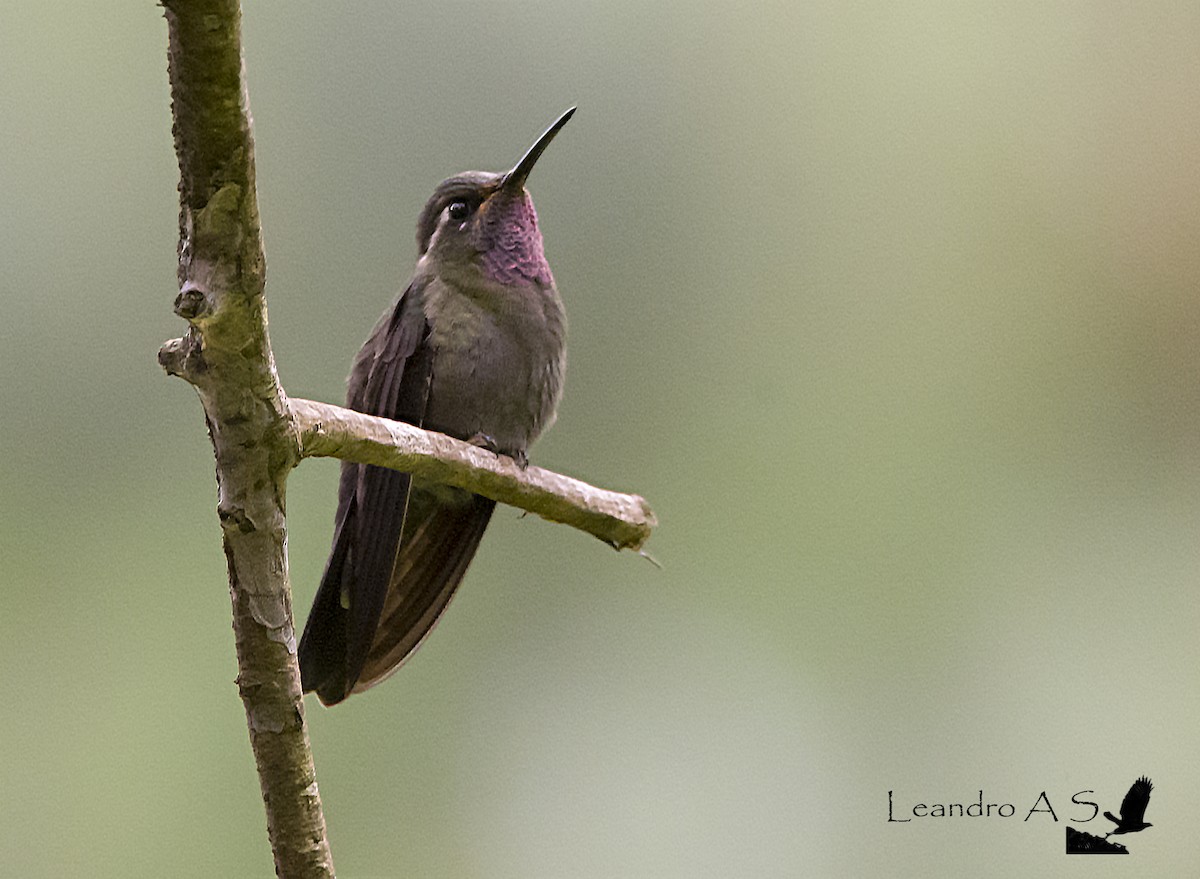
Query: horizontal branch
{"x": 624, "y": 521}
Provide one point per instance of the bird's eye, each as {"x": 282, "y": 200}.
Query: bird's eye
{"x": 458, "y": 210}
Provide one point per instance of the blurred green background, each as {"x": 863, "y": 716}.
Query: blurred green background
{"x": 889, "y": 309}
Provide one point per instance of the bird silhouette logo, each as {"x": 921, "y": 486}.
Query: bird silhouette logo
{"x": 1133, "y": 809}
{"x": 1131, "y": 820}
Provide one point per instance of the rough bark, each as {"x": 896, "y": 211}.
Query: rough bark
{"x": 227, "y": 357}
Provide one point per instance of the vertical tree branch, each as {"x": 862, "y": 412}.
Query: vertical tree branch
{"x": 227, "y": 357}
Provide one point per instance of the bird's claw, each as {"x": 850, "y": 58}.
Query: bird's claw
{"x": 486, "y": 441}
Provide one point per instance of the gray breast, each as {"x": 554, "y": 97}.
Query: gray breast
{"x": 498, "y": 363}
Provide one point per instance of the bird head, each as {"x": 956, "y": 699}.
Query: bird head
{"x": 485, "y": 222}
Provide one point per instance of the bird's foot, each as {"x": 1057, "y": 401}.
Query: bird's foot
{"x": 486, "y": 441}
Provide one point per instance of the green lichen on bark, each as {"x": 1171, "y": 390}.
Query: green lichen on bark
{"x": 226, "y": 355}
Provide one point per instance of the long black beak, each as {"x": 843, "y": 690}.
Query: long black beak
{"x": 515, "y": 179}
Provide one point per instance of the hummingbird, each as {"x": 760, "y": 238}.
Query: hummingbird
{"x": 475, "y": 347}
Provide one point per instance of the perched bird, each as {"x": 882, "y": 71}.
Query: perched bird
{"x": 475, "y": 347}
{"x": 1133, "y": 809}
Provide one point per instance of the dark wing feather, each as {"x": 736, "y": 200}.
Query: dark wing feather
{"x": 441, "y": 533}
{"x": 1133, "y": 807}
{"x": 390, "y": 377}
{"x": 397, "y": 387}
